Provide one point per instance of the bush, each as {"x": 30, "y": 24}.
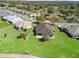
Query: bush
{"x": 22, "y": 35}
{"x": 24, "y": 30}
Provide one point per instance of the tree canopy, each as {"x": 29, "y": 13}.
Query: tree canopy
{"x": 50, "y": 10}
{"x": 2, "y": 5}
{"x": 40, "y": 18}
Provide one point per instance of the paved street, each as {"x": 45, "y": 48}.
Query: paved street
{"x": 66, "y": 23}
{"x": 16, "y": 56}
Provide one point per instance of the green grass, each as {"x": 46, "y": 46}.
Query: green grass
{"x": 3, "y": 24}
{"x": 60, "y": 46}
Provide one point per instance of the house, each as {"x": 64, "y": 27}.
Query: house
{"x": 30, "y": 19}
{"x": 23, "y": 25}
{"x": 5, "y": 13}
{"x": 49, "y": 22}
{"x": 68, "y": 18}
{"x": 43, "y": 30}
{"x": 72, "y": 30}
{"x": 77, "y": 19}
{"x": 18, "y": 22}
{"x": 35, "y": 14}
{"x": 13, "y": 19}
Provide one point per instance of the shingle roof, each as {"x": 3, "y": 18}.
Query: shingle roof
{"x": 24, "y": 24}
{"x": 77, "y": 19}
{"x": 73, "y": 29}
{"x": 13, "y": 19}
{"x": 77, "y": 31}
{"x": 68, "y": 18}
{"x": 44, "y": 29}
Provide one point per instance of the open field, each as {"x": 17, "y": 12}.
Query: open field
{"x": 60, "y": 46}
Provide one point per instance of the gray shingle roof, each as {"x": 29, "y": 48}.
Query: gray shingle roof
{"x": 73, "y": 29}
{"x": 44, "y": 29}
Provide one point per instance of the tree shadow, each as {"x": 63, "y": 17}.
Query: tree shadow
{"x": 34, "y": 32}
{"x": 42, "y": 40}
{"x": 68, "y": 34}
{"x": 77, "y": 38}
{"x": 18, "y": 37}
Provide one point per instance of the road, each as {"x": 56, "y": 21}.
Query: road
{"x": 66, "y": 23}
{"x": 16, "y": 56}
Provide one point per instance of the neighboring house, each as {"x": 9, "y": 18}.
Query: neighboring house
{"x": 19, "y": 22}
{"x": 43, "y": 30}
{"x": 68, "y": 18}
{"x": 77, "y": 19}
{"x": 5, "y": 13}
{"x": 35, "y": 14}
{"x": 13, "y": 19}
{"x": 24, "y": 12}
{"x": 72, "y": 30}
{"x": 30, "y": 19}
{"x": 23, "y": 25}
{"x": 49, "y": 22}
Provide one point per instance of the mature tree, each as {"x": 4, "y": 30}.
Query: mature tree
{"x": 68, "y": 11}
{"x": 29, "y": 7}
{"x": 50, "y": 10}
{"x": 72, "y": 7}
{"x": 77, "y": 11}
{"x": 2, "y": 5}
{"x": 19, "y": 7}
{"x": 12, "y": 5}
{"x": 40, "y": 18}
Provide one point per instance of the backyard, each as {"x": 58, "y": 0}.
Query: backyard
{"x": 60, "y": 46}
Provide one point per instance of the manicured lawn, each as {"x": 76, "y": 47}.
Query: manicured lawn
{"x": 3, "y": 24}
{"x": 60, "y": 46}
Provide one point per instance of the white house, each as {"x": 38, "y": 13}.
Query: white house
{"x": 19, "y": 22}
{"x": 23, "y": 25}
{"x": 35, "y": 14}
{"x": 14, "y": 19}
